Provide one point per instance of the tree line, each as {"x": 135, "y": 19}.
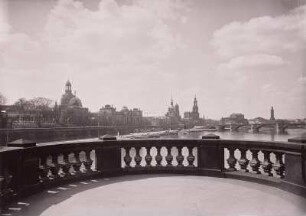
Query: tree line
{"x": 38, "y": 109}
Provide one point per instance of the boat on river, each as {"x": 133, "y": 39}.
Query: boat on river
{"x": 151, "y": 134}
{"x": 197, "y": 129}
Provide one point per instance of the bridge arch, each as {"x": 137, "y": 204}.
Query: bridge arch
{"x": 235, "y": 128}
{"x": 256, "y": 127}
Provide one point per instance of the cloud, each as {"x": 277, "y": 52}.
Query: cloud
{"x": 121, "y": 43}
{"x": 115, "y": 34}
{"x": 299, "y": 91}
{"x": 167, "y": 9}
{"x": 296, "y": 96}
{"x": 4, "y": 26}
{"x": 112, "y": 35}
{"x": 254, "y": 61}
{"x": 259, "y": 59}
{"x": 302, "y": 81}
{"x": 270, "y": 35}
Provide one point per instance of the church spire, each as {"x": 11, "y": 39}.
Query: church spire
{"x": 195, "y": 104}
{"x": 272, "y": 117}
{"x": 195, "y": 109}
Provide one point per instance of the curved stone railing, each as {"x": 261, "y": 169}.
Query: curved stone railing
{"x": 26, "y": 170}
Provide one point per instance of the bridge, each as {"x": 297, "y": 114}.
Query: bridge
{"x": 278, "y": 127}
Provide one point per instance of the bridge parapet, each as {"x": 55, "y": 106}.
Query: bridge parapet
{"x": 24, "y": 171}
{"x": 278, "y": 127}
{"x": 231, "y": 127}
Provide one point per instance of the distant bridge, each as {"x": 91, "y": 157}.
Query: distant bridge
{"x": 279, "y": 127}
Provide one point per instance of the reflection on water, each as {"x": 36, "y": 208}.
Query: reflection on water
{"x": 264, "y": 136}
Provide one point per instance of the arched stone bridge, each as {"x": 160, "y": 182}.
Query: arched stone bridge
{"x": 255, "y": 128}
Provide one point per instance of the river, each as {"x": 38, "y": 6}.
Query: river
{"x": 264, "y": 136}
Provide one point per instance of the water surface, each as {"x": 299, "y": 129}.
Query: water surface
{"x": 264, "y": 136}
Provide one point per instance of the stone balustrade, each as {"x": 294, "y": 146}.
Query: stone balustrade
{"x": 27, "y": 170}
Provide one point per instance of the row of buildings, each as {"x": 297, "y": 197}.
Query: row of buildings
{"x": 238, "y": 118}
{"x": 70, "y": 112}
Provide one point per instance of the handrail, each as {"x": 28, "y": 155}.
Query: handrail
{"x": 27, "y": 170}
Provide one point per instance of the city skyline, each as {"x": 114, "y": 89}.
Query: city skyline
{"x": 132, "y": 53}
{"x": 181, "y": 114}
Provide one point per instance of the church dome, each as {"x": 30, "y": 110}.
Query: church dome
{"x": 75, "y": 102}
{"x": 124, "y": 109}
{"x": 66, "y": 98}
{"x": 68, "y": 83}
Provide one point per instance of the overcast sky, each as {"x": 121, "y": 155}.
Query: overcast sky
{"x": 235, "y": 55}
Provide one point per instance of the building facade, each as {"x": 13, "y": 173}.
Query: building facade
{"x": 235, "y": 118}
{"x": 108, "y": 115}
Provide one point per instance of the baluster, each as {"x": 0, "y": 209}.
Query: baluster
{"x": 88, "y": 161}
{"x": 179, "y": 157}
{"x": 267, "y": 164}
{"x": 255, "y": 163}
{"x": 127, "y": 158}
{"x": 2, "y": 189}
{"x": 158, "y": 156}
{"x": 169, "y": 156}
{"x": 279, "y": 166}
{"x": 231, "y": 159}
{"x": 77, "y": 164}
{"x": 148, "y": 157}
{"x": 243, "y": 161}
{"x": 66, "y": 165}
{"x": 43, "y": 169}
{"x": 137, "y": 157}
{"x": 54, "y": 167}
{"x": 5, "y": 182}
{"x": 190, "y": 157}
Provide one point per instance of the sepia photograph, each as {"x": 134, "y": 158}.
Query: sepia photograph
{"x": 152, "y": 107}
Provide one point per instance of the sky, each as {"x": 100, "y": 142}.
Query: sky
{"x": 236, "y": 56}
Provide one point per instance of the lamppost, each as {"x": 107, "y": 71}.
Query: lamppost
{"x": 98, "y": 124}
{"x": 3, "y": 119}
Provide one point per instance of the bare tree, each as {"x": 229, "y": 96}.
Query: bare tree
{"x": 39, "y": 107}
{"x": 41, "y": 103}
{"x": 43, "y": 108}
{"x": 38, "y": 103}
{"x": 2, "y": 99}
{"x": 23, "y": 104}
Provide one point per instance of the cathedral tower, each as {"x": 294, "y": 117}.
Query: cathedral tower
{"x": 272, "y": 118}
{"x": 195, "y": 110}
